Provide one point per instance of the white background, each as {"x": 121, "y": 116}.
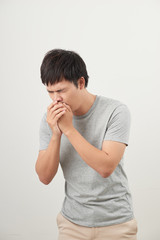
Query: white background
{"x": 120, "y": 43}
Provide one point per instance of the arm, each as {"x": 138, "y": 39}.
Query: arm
{"x": 48, "y": 161}
{"x": 103, "y": 161}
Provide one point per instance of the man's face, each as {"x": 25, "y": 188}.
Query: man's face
{"x": 64, "y": 91}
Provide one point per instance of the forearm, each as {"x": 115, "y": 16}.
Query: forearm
{"x": 47, "y": 162}
{"x": 94, "y": 157}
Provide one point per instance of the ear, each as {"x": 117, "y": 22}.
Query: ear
{"x": 81, "y": 83}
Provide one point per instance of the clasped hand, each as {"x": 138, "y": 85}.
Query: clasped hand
{"x": 65, "y": 121}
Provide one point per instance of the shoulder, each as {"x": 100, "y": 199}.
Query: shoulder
{"x": 111, "y": 105}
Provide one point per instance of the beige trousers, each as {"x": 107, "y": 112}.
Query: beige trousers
{"x": 72, "y": 231}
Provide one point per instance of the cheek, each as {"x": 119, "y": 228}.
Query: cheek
{"x": 72, "y": 101}
{"x": 75, "y": 106}
{"x": 50, "y": 95}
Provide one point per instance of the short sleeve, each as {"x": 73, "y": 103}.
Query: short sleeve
{"x": 44, "y": 134}
{"x": 118, "y": 127}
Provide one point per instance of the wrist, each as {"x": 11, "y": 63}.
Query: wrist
{"x": 69, "y": 131}
{"x": 55, "y": 137}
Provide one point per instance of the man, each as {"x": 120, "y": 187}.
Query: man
{"x": 87, "y": 134}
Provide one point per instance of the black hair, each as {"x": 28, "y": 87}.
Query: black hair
{"x": 59, "y": 64}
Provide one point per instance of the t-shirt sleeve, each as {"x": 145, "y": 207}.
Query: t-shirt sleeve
{"x": 44, "y": 134}
{"x": 118, "y": 127}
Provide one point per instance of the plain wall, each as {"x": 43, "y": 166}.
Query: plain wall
{"x": 119, "y": 41}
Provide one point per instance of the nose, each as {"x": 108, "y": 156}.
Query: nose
{"x": 57, "y": 97}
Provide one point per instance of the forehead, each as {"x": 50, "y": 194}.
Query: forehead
{"x": 59, "y": 85}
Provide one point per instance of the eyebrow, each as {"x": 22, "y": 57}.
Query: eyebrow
{"x": 55, "y": 91}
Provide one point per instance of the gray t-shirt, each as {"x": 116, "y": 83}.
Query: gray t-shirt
{"x": 91, "y": 200}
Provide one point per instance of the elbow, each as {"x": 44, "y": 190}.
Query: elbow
{"x": 107, "y": 168}
{"x": 44, "y": 179}
{"x": 105, "y": 173}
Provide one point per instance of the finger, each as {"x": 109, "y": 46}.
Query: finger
{"x": 54, "y": 106}
{"x": 53, "y": 115}
{"x": 60, "y": 115}
{"x": 51, "y": 105}
{"x": 67, "y": 106}
{"x": 57, "y": 106}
